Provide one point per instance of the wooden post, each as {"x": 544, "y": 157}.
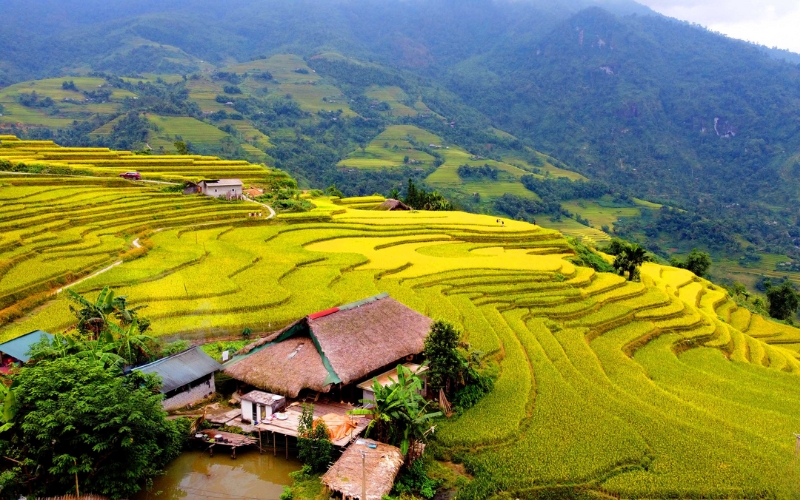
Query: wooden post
{"x": 287, "y": 446}
{"x": 363, "y": 475}
{"x": 211, "y": 450}
{"x": 260, "y": 450}
{"x": 274, "y": 445}
{"x": 77, "y": 490}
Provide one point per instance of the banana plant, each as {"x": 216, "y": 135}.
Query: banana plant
{"x": 102, "y": 351}
{"x": 129, "y": 343}
{"x": 399, "y": 412}
{"x": 92, "y": 316}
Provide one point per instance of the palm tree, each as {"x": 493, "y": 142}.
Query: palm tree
{"x": 630, "y": 259}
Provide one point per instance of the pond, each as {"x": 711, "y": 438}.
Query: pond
{"x": 195, "y": 475}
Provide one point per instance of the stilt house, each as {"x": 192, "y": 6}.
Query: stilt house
{"x": 333, "y": 348}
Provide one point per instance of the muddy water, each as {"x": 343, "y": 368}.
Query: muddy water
{"x": 195, "y": 475}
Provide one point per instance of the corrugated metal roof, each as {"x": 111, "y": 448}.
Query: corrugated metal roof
{"x": 182, "y": 368}
{"x": 18, "y": 348}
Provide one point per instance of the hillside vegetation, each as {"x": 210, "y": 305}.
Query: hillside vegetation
{"x": 651, "y": 389}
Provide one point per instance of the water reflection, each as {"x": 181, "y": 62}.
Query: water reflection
{"x": 195, "y": 475}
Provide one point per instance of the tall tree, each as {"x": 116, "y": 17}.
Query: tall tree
{"x": 445, "y": 363}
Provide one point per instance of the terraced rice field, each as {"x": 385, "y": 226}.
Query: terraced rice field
{"x": 306, "y": 87}
{"x": 603, "y": 386}
{"x": 53, "y": 231}
{"x": 106, "y": 162}
{"x": 396, "y": 99}
{"x": 66, "y": 111}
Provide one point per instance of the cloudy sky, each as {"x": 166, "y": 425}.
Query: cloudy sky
{"x": 774, "y": 23}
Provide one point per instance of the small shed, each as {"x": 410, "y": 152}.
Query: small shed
{"x": 191, "y": 188}
{"x": 390, "y": 377}
{"x": 188, "y": 377}
{"x": 226, "y": 188}
{"x": 366, "y": 466}
{"x": 391, "y": 204}
{"x": 258, "y": 406}
{"x": 15, "y": 351}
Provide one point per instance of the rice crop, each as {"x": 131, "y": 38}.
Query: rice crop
{"x": 637, "y": 390}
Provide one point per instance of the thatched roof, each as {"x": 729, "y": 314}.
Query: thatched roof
{"x": 339, "y": 345}
{"x": 283, "y": 368}
{"x": 392, "y": 204}
{"x": 382, "y": 464}
{"x": 366, "y": 338}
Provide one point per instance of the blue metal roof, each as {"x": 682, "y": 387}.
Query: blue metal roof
{"x": 182, "y": 368}
{"x": 18, "y": 348}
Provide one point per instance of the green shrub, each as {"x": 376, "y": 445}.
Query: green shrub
{"x": 415, "y": 481}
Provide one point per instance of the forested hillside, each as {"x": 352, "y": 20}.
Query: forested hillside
{"x": 688, "y": 139}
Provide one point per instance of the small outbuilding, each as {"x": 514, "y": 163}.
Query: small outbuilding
{"x": 334, "y": 347}
{"x": 391, "y": 204}
{"x": 188, "y": 377}
{"x": 365, "y": 467}
{"x": 225, "y": 188}
{"x": 258, "y": 406}
{"x": 15, "y": 351}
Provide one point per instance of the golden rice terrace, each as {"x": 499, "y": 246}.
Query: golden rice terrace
{"x": 656, "y": 389}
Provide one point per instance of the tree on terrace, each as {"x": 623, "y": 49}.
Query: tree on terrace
{"x": 629, "y": 260}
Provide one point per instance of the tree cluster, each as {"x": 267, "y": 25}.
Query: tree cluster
{"x": 697, "y": 262}
{"x": 420, "y": 199}
{"x": 482, "y": 171}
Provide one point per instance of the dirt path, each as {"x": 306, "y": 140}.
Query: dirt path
{"x": 271, "y": 211}
{"x": 136, "y": 244}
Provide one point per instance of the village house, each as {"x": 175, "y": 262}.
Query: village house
{"x": 188, "y": 377}
{"x": 226, "y": 188}
{"x": 333, "y": 349}
{"x": 15, "y": 351}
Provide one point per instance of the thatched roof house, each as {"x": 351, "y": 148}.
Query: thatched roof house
{"x": 380, "y": 463}
{"x": 335, "y": 346}
{"x": 392, "y": 204}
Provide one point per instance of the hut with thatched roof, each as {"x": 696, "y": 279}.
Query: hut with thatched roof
{"x": 392, "y": 204}
{"x": 373, "y": 473}
{"x": 336, "y": 346}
